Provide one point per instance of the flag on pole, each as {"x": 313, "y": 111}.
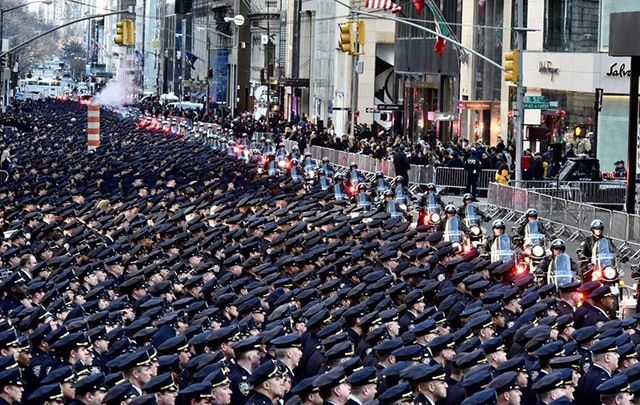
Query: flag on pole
{"x": 440, "y": 47}
{"x": 419, "y": 5}
{"x": 387, "y": 5}
{"x": 442, "y": 28}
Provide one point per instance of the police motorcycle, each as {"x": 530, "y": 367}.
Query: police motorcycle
{"x": 339, "y": 188}
{"x": 604, "y": 265}
{"x": 309, "y": 166}
{"x": 559, "y": 272}
{"x": 453, "y": 231}
{"x": 391, "y": 207}
{"x": 323, "y": 180}
{"x": 295, "y": 153}
{"x": 430, "y": 209}
{"x": 353, "y": 179}
{"x": 401, "y": 192}
{"x": 472, "y": 221}
{"x": 282, "y": 157}
{"x": 294, "y": 171}
{"x": 363, "y": 199}
{"x": 380, "y": 185}
{"x": 270, "y": 165}
{"x": 534, "y": 247}
{"x": 326, "y": 166}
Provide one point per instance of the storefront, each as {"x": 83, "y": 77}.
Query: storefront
{"x": 571, "y": 80}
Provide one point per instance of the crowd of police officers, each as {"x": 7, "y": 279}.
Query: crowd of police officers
{"x": 159, "y": 271}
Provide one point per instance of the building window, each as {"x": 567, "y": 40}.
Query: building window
{"x": 612, "y": 6}
{"x": 571, "y": 25}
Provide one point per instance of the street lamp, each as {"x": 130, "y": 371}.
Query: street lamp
{"x": 2, "y": 11}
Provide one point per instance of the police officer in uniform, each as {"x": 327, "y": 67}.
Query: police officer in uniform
{"x": 605, "y": 363}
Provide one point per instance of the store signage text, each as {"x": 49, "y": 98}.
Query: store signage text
{"x": 621, "y": 71}
{"x": 546, "y": 67}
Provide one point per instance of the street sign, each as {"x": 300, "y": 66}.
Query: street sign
{"x": 535, "y": 99}
{"x": 370, "y": 110}
{"x": 389, "y": 107}
{"x": 540, "y": 105}
{"x": 444, "y": 116}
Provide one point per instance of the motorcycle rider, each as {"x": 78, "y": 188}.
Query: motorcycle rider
{"x": 326, "y": 166}
{"x": 498, "y": 228}
{"x": 558, "y": 247}
{"x": 450, "y": 212}
{"x": 531, "y": 216}
{"x": 380, "y": 184}
{"x": 431, "y": 191}
{"x": 354, "y": 174}
{"x": 597, "y": 233}
{"x": 323, "y": 181}
{"x": 363, "y": 198}
{"x": 467, "y": 200}
{"x": 401, "y": 191}
{"x": 294, "y": 171}
{"x": 339, "y": 189}
{"x": 295, "y": 153}
{"x": 390, "y": 206}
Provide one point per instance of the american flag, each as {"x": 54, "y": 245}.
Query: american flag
{"x": 383, "y": 5}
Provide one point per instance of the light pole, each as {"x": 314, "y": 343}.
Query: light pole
{"x": 2, "y": 11}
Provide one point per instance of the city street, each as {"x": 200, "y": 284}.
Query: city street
{"x": 230, "y": 202}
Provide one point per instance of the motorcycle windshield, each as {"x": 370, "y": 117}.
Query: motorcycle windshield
{"x": 471, "y": 215}
{"x": 324, "y": 183}
{"x": 602, "y": 253}
{"x": 452, "y": 230}
{"x": 532, "y": 234}
{"x": 501, "y": 249}
{"x": 560, "y": 272}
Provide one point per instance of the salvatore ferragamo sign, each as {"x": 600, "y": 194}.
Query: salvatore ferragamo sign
{"x": 547, "y": 67}
{"x": 621, "y": 70}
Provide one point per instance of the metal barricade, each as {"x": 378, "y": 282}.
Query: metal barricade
{"x": 486, "y": 176}
{"x": 451, "y": 177}
{"x": 603, "y": 193}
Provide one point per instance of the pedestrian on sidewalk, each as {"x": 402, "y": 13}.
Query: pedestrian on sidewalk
{"x": 401, "y": 165}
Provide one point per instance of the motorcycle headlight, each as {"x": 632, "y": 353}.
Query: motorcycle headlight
{"x": 435, "y": 217}
{"x": 403, "y": 206}
{"x": 609, "y": 273}
{"x": 282, "y": 164}
{"x": 475, "y": 231}
{"x": 538, "y": 251}
{"x": 456, "y": 247}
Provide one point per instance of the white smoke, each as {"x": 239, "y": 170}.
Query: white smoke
{"x": 121, "y": 90}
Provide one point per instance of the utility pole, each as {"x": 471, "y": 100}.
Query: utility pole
{"x": 354, "y": 73}
{"x": 266, "y": 56}
{"x": 520, "y": 90}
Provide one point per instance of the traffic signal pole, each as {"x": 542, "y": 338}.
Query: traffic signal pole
{"x": 519, "y": 118}
{"x": 354, "y": 74}
{"x": 30, "y": 40}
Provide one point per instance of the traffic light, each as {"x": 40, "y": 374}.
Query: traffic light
{"x": 511, "y": 66}
{"x": 125, "y": 33}
{"x": 345, "y": 43}
{"x": 130, "y": 29}
{"x": 121, "y": 34}
{"x": 361, "y": 33}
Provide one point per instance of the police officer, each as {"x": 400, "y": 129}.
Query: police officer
{"x": 531, "y": 215}
{"x": 558, "y": 247}
{"x": 498, "y": 228}
{"x": 604, "y": 304}
{"x": 605, "y": 363}
{"x": 431, "y": 194}
{"x": 597, "y": 234}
